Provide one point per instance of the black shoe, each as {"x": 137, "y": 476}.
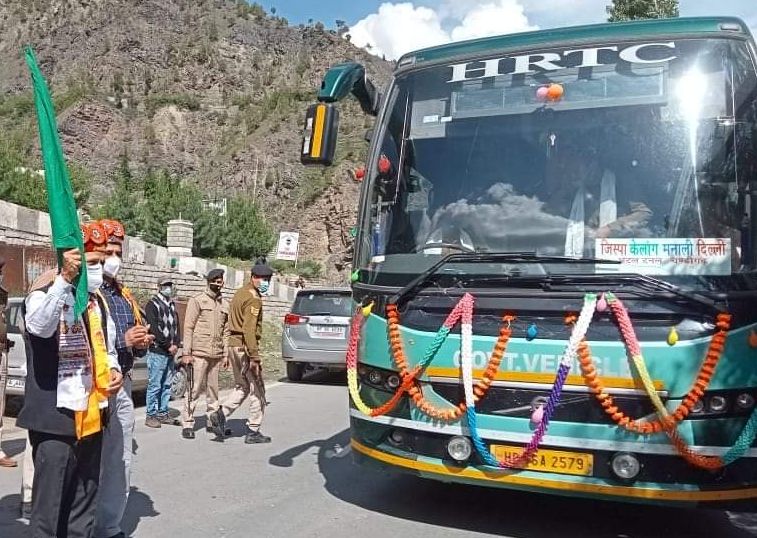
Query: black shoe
{"x": 253, "y": 438}
{"x": 218, "y": 424}
{"x": 226, "y": 432}
{"x": 26, "y": 510}
{"x": 188, "y": 433}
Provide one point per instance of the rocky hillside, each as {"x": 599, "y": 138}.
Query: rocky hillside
{"x": 212, "y": 90}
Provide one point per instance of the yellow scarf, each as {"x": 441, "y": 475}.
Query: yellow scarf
{"x": 89, "y": 422}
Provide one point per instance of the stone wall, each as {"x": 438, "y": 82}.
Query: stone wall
{"x": 22, "y": 228}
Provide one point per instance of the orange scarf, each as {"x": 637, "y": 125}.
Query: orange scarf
{"x": 89, "y": 422}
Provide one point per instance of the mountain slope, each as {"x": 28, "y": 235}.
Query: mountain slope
{"x": 212, "y": 90}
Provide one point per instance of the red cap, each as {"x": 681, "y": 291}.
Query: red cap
{"x": 94, "y": 237}
{"x": 114, "y": 231}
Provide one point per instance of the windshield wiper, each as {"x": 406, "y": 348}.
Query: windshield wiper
{"x": 649, "y": 286}
{"x": 488, "y": 257}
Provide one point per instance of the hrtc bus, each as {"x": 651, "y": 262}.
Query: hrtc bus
{"x": 555, "y": 264}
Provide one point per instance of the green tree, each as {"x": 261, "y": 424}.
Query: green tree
{"x": 248, "y": 234}
{"x": 123, "y": 202}
{"x": 209, "y": 235}
{"x": 21, "y": 184}
{"x": 626, "y": 10}
{"x": 165, "y": 197}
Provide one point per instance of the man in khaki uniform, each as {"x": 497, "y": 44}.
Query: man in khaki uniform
{"x": 246, "y": 326}
{"x": 206, "y": 340}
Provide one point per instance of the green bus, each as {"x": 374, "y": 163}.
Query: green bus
{"x": 554, "y": 270}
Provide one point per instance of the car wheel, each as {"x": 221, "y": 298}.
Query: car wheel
{"x": 178, "y": 384}
{"x": 295, "y": 371}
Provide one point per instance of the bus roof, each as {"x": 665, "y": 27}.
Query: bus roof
{"x": 592, "y": 33}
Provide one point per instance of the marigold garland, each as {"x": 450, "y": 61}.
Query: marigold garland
{"x": 415, "y": 391}
{"x": 580, "y": 328}
{"x": 706, "y": 372}
{"x": 409, "y": 377}
{"x": 667, "y": 422}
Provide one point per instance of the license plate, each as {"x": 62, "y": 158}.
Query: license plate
{"x": 553, "y": 461}
{"x": 328, "y": 331}
{"x": 16, "y": 383}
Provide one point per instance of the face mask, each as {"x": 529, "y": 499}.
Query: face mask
{"x": 263, "y": 288}
{"x": 94, "y": 277}
{"x": 215, "y": 288}
{"x": 111, "y": 266}
{"x": 166, "y": 291}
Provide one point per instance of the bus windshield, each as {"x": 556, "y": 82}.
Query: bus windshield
{"x": 639, "y": 153}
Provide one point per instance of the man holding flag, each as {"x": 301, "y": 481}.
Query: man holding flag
{"x": 72, "y": 371}
{"x": 73, "y": 367}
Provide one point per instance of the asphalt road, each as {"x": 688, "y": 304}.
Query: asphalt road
{"x": 305, "y": 484}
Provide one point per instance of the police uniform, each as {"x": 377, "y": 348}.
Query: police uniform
{"x": 246, "y": 329}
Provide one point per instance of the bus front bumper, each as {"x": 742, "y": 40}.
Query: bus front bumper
{"x": 424, "y": 454}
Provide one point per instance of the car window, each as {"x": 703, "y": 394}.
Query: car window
{"x": 12, "y": 313}
{"x": 325, "y": 303}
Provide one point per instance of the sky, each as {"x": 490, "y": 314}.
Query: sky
{"x": 392, "y": 28}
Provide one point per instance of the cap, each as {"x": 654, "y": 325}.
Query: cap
{"x": 165, "y": 280}
{"x": 261, "y": 270}
{"x": 214, "y": 273}
{"x": 114, "y": 230}
{"x": 94, "y": 236}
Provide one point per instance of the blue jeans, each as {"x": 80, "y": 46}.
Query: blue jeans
{"x": 159, "y": 377}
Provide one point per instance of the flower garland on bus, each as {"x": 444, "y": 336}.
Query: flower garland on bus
{"x": 668, "y": 422}
{"x": 580, "y": 328}
{"x": 400, "y": 359}
{"x": 706, "y": 372}
{"x": 409, "y": 377}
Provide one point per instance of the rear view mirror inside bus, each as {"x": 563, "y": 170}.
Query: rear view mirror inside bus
{"x": 319, "y": 138}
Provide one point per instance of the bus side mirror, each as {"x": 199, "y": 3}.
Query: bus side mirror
{"x": 319, "y": 138}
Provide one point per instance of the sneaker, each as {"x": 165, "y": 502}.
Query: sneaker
{"x": 253, "y": 438}
{"x": 165, "y": 418}
{"x": 218, "y": 423}
{"x": 188, "y": 433}
{"x": 152, "y": 422}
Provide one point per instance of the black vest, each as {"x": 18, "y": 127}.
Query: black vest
{"x": 39, "y": 412}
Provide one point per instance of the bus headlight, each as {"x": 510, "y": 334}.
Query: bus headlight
{"x": 745, "y": 401}
{"x": 393, "y": 381}
{"x": 717, "y": 404}
{"x": 625, "y": 466}
{"x": 459, "y": 448}
{"x": 698, "y": 407}
{"x": 374, "y": 377}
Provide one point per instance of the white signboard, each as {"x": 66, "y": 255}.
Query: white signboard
{"x": 653, "y": 256}
{"x": 288, "y": 246}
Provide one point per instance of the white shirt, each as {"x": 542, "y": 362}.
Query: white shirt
{"x": 44, "y": 311}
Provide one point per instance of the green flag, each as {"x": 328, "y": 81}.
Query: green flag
{"x": 64, "y": 220}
